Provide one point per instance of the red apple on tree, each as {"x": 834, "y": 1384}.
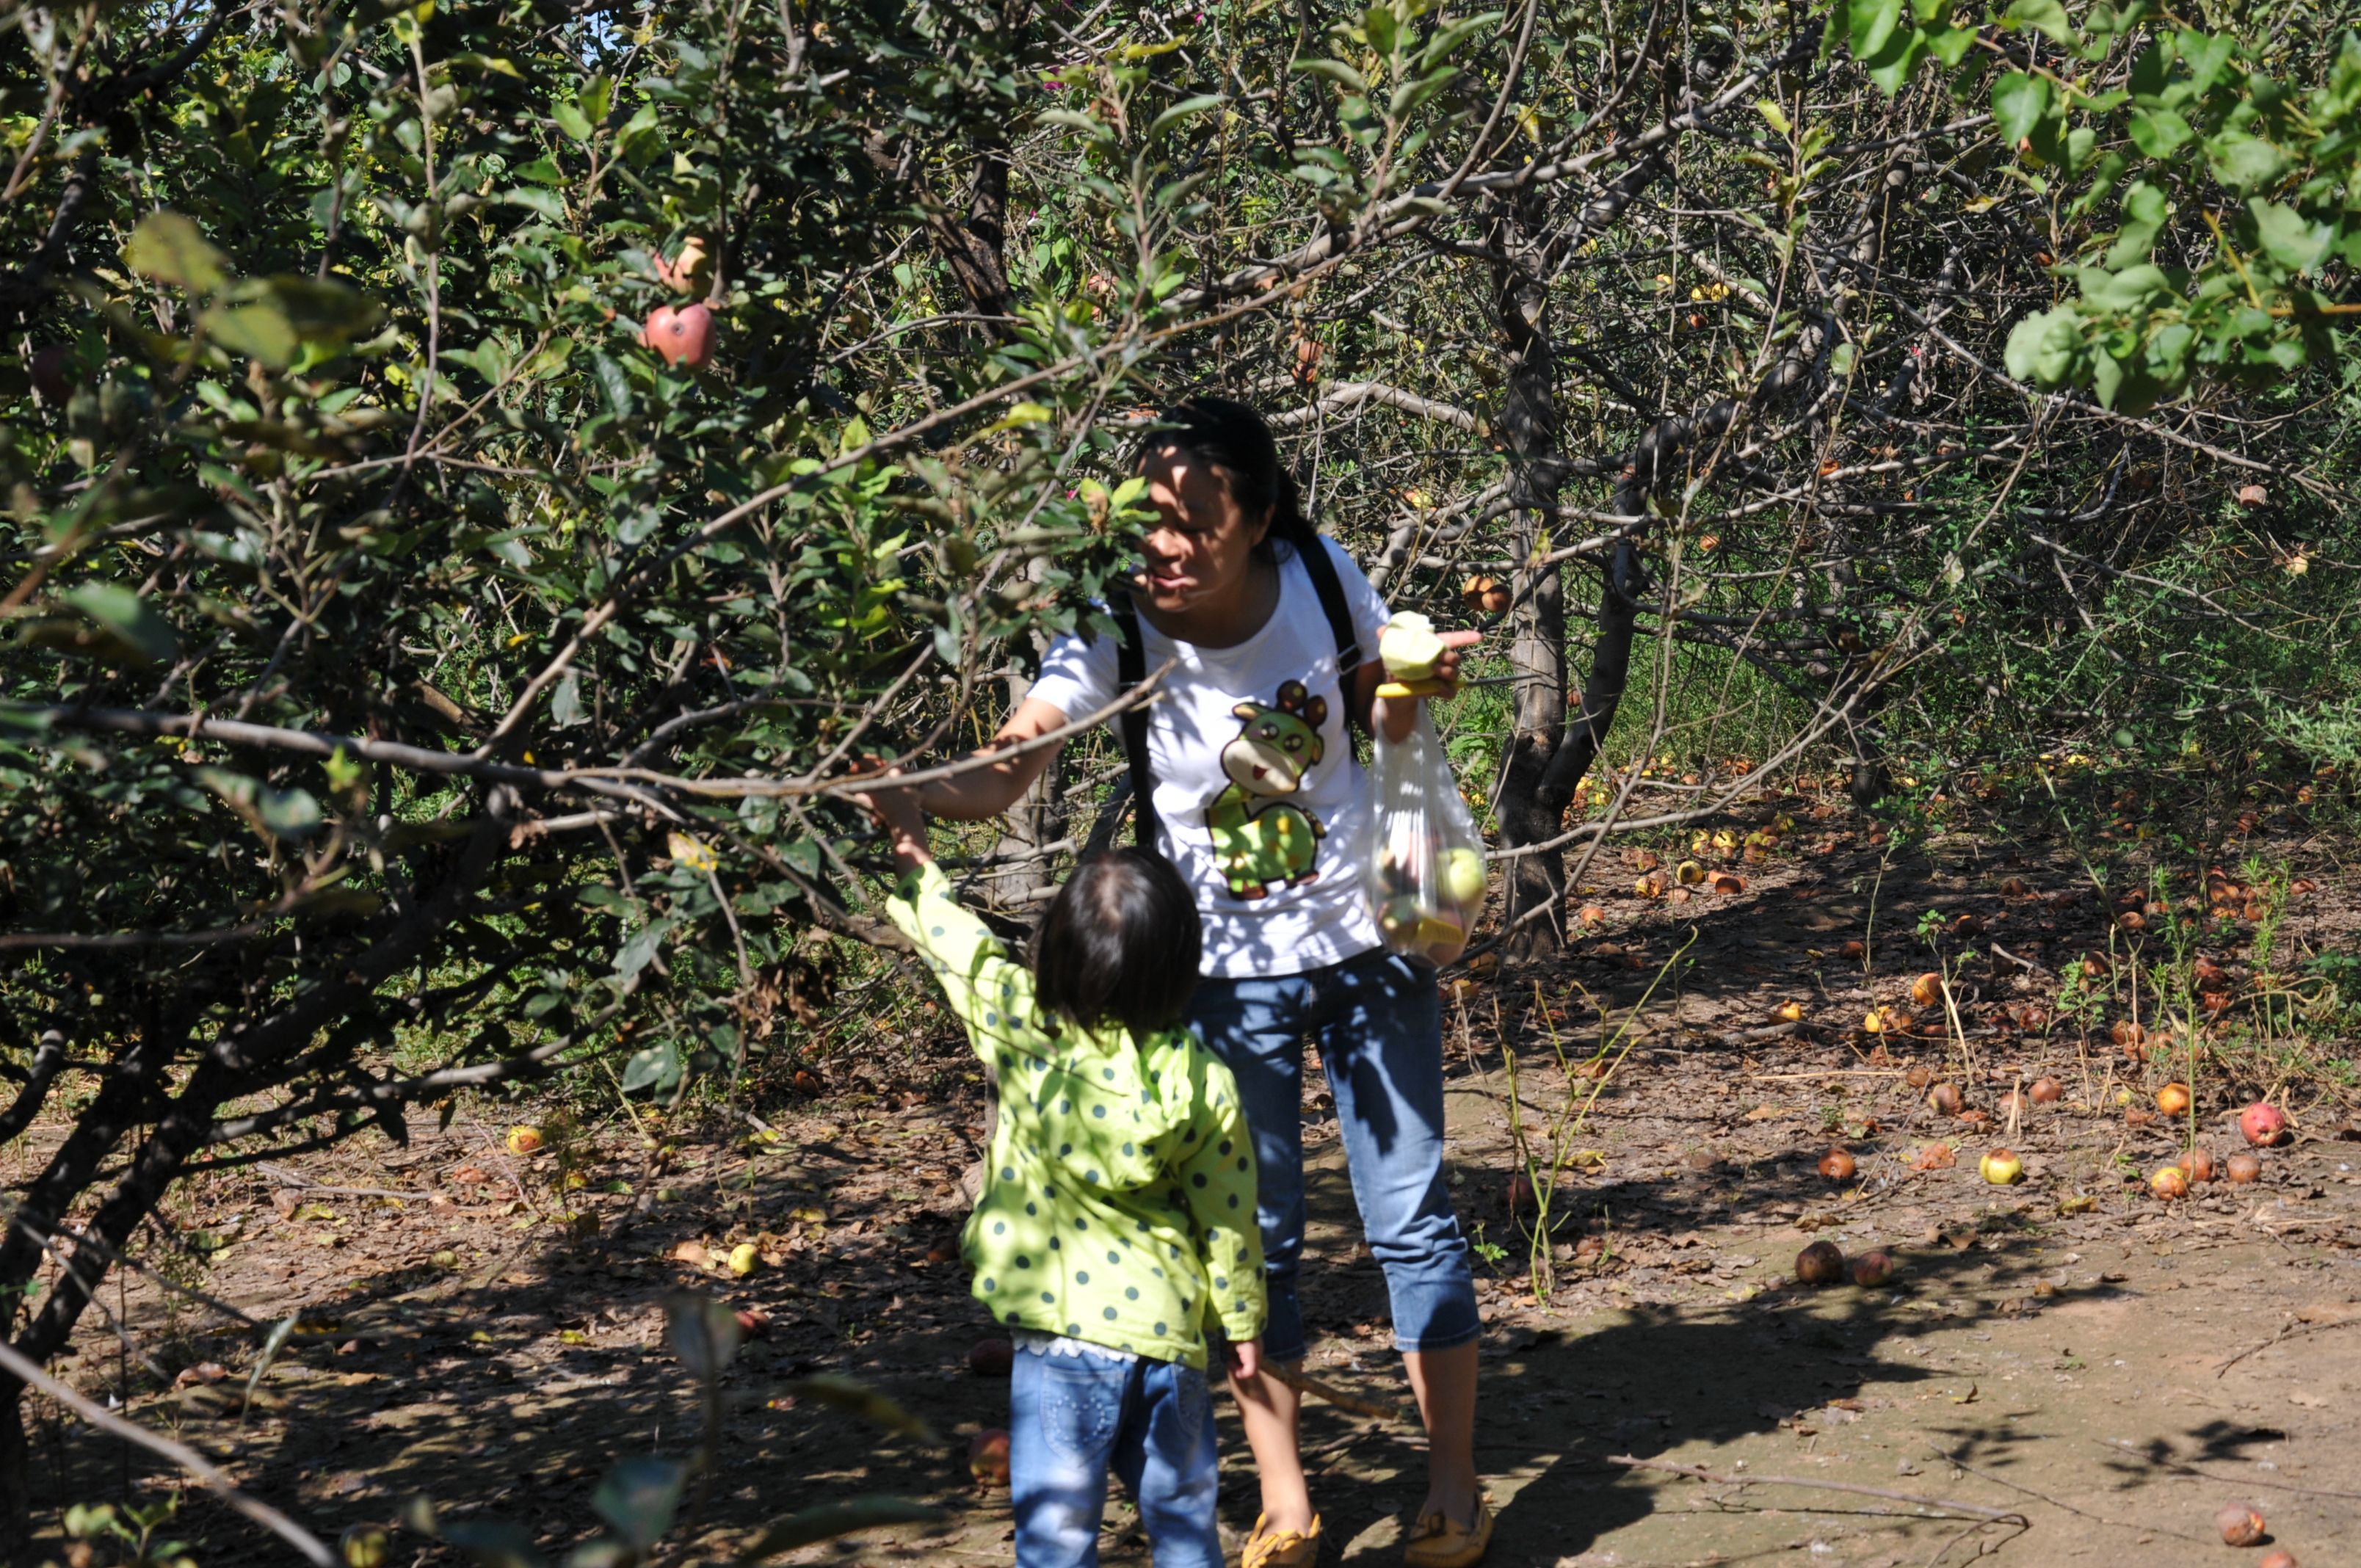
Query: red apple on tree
{"x": 683, "y": 336}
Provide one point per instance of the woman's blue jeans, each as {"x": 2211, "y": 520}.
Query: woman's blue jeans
{"x": 1074, "y": 1418}
{"x": 1378, "y": 1022}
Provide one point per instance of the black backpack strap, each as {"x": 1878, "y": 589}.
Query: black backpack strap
{"x": 1331, "y": 589}
{"x": 1130, "y": 669}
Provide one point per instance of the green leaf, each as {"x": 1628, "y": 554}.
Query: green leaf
{"x": 704, "y": 1333}
{"x": 257, "y": 331}
{"x": 830, "y": 1520}
{"x": 135, "y": 623}
{"x": 2146, "y": 208}
{"x": 2160, "y": 133}
{"x": 273, "y": 1343}
{"x": 2297, "y": 246}
{"x": 171, "y": 248}
{"x": 2107, "y": 378}
{"x": 1181, "y": 113}
{"x": 639, "y": 1498}
{"x": 2043, "y": 346}
{"x": 2205, "y": 55}
{"x": 2133, "y": 288}
{"x": 1774, "y": 116}
{"x": 1950, "y": 44}
{"x": 1337, "y": 70}
{"x": 284, "y": 813}
{"x": 857, "y": 1399}
{"x": 570, "y": 120}
{"x": 2046, "y": 17}
{"x": 2244, "y": 162}
{"x": 614, "y": 383}
{"x": 1871, "y": 24}
{"x": 2020, "y": 102}
{"x": 656, "y": 1067}
{"x": 1891, "y": 70}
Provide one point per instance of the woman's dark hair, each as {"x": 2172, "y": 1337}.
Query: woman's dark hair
{"x": 1120, "y": 945}
{"x": 1233, "y": 438}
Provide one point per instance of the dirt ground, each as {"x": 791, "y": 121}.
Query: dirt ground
{"x": 2064, "y": 1370}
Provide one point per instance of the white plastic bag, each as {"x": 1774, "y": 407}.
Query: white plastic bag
{"x": 1426, "y": 873}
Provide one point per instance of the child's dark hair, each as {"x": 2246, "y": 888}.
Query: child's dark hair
{"x": 1233, "y": 438}
{"x": 1119, "y": 944}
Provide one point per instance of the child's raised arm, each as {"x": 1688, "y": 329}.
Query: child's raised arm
{"x": 984, "y": 988}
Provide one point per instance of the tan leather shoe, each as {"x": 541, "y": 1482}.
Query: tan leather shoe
{"x": 1281, "y": 1548}
{"x": 1442, "y": 1542}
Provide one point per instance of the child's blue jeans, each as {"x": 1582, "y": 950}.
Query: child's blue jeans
{"x": 1072, "y": 1420}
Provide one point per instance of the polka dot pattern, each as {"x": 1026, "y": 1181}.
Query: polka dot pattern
{"x": 1104, "y": 1139}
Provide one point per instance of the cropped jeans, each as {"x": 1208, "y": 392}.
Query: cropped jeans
{"x": 1377, "y": 1019}
{"x": 1074, "y": 1418}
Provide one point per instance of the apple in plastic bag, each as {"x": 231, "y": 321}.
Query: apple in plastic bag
{"x": 1463, "y": 876}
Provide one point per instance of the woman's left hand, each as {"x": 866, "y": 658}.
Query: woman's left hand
{"x": 1446, "y": 669}
{"x": 1392, "y": 717}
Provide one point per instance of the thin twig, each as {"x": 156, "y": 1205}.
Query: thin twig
{"x": 20, "y": 1366}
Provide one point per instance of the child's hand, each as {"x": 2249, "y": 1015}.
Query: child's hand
{"x": 1246, "y": 1360}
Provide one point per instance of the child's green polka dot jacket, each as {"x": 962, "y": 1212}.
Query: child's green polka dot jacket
{"x": 1119, "y": 1207}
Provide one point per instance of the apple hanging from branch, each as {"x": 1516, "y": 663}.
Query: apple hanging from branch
{"x": 682, "y": 335}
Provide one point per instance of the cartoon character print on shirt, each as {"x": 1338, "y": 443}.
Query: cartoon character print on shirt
{"x": 1263, "y": 841}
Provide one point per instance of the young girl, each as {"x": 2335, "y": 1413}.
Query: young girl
{"x": 1117, "y": 1217}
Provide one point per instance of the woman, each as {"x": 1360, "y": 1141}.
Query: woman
{"x": 1257, "y": 798}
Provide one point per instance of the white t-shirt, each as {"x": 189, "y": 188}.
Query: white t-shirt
{"x": 1259, "y": 799}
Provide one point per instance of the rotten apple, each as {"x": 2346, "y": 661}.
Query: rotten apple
{"x": 1819, "y": 1264}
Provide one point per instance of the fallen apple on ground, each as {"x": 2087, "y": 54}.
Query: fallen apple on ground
{"x": 1873, "y": 1270}
{"x": 366, "y": 1546}
{"x": 2173, "y": 1100}
{"x": 2168, "y": 1183}
{"x": 2240, "y": 1524}
{"x": 2199, "y": 1163}
{"x": 2243, "y": 1167}
{"x": 1819, "y": 1264}
{"x": 991, "y": 1357}
{"x": 524, "y": 1140}
{"x": 2263, "y": 1123}
{"x": 1837, "y": 1166}
{"x": 2045, "y": 1091}
{"x": 987, "y": 1457}
{"x": 1927, "y": 990}
{"x": 1944, "y": 1099}
{"x": 2001, "y": 1168}
{"x": 744, "y": 1259}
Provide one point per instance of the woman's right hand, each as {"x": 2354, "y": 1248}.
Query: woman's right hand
{"x": 898, "y": 811}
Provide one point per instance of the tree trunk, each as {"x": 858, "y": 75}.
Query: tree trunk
{"x": 1528, "y": 428}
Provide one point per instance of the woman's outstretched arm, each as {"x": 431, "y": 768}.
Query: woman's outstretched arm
{"x": 989, "y": 791}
